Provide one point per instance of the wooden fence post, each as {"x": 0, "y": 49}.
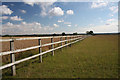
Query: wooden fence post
{"x": 61, "y": 42}
{"x": 52, "y": 41}
{"x": 70, "y": 41}
{"x": 40, "y": 50}
{"x": 12, "y": 57}
{"x": 65, "y": 39}
{"x": 78, "y": 36}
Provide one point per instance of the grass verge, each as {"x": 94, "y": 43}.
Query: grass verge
{"x": 94, "y": 57}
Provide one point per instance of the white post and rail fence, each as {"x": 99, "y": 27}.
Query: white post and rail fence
{"x": 68, "y": 41}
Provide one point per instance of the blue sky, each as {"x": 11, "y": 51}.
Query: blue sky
{"x": 58, "y": 17}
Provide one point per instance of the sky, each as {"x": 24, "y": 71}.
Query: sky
{"x": 56, "y": 17}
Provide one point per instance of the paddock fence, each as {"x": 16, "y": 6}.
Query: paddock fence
{"x": 69, "y": 40}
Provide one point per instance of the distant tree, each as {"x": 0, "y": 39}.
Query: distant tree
{"x": 75, "y": 33}
{"x": 63, "y": 34}
{"x": 54, "y": 34}
{"x": 6, "y": 35}
{"x": 89, "y": 32}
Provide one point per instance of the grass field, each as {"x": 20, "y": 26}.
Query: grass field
{"x": 21, "y": 44}
{"x": 94, "y": 57}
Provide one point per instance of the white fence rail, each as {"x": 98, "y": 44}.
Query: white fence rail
{"x": 12, "y": 51}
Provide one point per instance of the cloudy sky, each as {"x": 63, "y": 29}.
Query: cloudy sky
{"x": 58, "y": 17}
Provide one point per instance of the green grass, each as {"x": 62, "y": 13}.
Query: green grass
{"x": 94, "y": 57}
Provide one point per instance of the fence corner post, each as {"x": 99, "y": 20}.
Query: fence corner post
{"x": 12, "y": 57}
{"x": 40, "y": 50}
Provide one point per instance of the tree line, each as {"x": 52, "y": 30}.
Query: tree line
{"x": 42, "y": 35}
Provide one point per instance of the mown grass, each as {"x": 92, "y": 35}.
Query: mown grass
{"x": 94, "y": 57}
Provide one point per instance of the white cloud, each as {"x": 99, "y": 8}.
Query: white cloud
{"x": 67, "y": 22}
{"x": 45, "y": 6}
{"x": 5, "y": 10}
{"x": 114, "y": 9}
{"x": 23, "y": 11}
{"x": 43, "y": 13}
{"x": 76, "y": 25}
{"x": 30, "y": 2}
{"x": 111, "y": 27}
{"x": 35, "y": 24}
{"x": 9, "y": 23}
{"x": 5, "y": 17}
{"x": 91, "y": 24}
{"x": 56, "y": 11}
{"x": 12, "y": 4}
{"x": 111, "y": 15}
{"x": 38, "y": 24}
{"x": 109, "y": 20}
{"x": 112, "y": 21}
{"x": 60, "y": 21}
{"x": 16, "y": 18}
{"x": 100, "y": 20}
{"x": 101, "y": 29}
{"x": 55, "y": 25}
{"x": 98, "y": 4}
{"x": 24, "y": 23}
{"x": 70, "y": 12}
{"x": 69, "y": 25}
{"x": 26, "y": 28}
